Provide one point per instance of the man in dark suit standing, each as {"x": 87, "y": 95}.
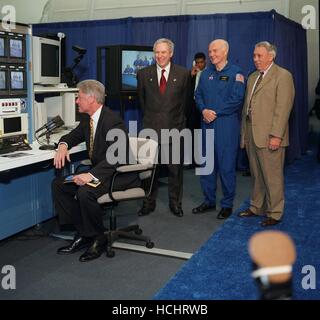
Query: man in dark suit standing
{"x": 164, "y": 94}
{"x": 76, "y": 203}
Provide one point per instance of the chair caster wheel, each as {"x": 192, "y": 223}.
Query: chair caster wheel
{"x": 150, "y": 245}
{"x": 110, "y": 253}
{"x": 139, "y": 231}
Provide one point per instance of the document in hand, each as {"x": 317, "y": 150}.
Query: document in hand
{"x": 93, "y": 183}
{"x": 68, "y": 179}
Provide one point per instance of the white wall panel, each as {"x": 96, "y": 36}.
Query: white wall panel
{"x": 228, "y": 6}
{"x": 120, "y": 9}
{"x": 27, "y": 11}
{"x": 71, "y": 10}
{"x": 313, "y": 44}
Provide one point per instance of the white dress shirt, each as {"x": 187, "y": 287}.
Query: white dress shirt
{"x": 95, "y": 117}
{"x": 166, "y": 74}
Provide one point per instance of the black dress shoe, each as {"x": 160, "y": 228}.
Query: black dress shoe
{"x": 146, "y": 209}
{"x": 224, "y": 213}
{"x": 269, "y": 222}
{"x": 176, "y": 210}
{"x": 76, "y": 245}
{"x": 203, "y": 208}
{"x": 98, "y": 246}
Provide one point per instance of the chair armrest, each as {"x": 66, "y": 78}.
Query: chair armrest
{"x": 134, "y": 167}
{"x": 86, "y": 162}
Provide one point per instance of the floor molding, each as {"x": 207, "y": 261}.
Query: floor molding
{"x": 155, "y": 251}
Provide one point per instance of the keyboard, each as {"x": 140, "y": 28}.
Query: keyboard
{"x": 16, "y": 147}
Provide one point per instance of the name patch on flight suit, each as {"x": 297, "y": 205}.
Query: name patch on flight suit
{"x": 224, "y": 78}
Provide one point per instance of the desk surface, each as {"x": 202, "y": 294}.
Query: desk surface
{"x": 33, "y": 156}
{"x": 43, "y": 89}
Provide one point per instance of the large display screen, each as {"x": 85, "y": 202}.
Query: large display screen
{"x": 132, "y": 61}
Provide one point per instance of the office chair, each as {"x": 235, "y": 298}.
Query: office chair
{"x": 145, "y": 153}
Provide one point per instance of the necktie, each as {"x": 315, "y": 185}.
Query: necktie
{"x": 163, "y": 82}
{"x": 91, "y": 138}
{"x": 254, "y": 90}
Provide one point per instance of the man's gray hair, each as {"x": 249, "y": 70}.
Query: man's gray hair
{"x": 93, "y": 88}
{"x": 271, "y": 48}
{"x": 164, "y": 40}
{"x": 224, "y": 43}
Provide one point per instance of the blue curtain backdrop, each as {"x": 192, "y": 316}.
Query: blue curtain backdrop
{"x": 192, "y": 34}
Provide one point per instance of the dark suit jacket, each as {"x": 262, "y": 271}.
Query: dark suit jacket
{"x": 193, "y": 114}
{"x": 108, "y": 120}
{"x": 164, "y": 111}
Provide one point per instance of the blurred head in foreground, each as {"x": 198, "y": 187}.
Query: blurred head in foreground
{"x": 273, "y": 254}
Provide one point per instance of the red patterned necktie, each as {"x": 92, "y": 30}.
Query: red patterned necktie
{"x": 163, "y": 82}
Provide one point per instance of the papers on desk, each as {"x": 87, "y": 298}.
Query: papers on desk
{"x": 16, "y": 155}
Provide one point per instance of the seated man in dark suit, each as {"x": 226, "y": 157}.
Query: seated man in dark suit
{"x": 76, "y": 203}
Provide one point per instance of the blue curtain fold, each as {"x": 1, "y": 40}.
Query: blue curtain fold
{"x": 193, "y": 33}
{"x": 291, "y": 41}
{"x": 201, "y": 30}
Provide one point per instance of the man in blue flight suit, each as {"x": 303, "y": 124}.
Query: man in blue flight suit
{"x": 219, "y": 97}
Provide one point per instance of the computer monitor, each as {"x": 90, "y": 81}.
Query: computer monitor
{"x": 4, "y": 87}
{"x": 46, "y": 61}
{"x": 122, "y": 63}
{"x": 3, "y": 47}
{"x": 16, "y": 48}
{"x": 11, "y": 125}
{"x": 131, "y": 62}
{"x": 3, "y": 80}
{"x": 17, "y": 80}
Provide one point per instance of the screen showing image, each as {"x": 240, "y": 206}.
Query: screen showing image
{"x": 16, "y": 49}
{"x": 1, "y": 47}
{"x": 3, "y": 80}
{"x": 49, "y": 60}
{"x": 11, "y": 125}
{"x": 132, "y": 61}
{"x": 16, "y": 80}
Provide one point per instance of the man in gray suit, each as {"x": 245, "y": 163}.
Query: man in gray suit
{"x": 164, "y": 94}
{"x": 265, "y": 132}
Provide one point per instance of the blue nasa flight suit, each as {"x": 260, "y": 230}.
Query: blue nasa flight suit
{"x": 223, "y": 92}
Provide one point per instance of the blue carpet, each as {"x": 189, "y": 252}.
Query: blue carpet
{"x": 221, "y": 268}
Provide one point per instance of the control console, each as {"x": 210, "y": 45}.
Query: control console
{"x": 10, "y": 106}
